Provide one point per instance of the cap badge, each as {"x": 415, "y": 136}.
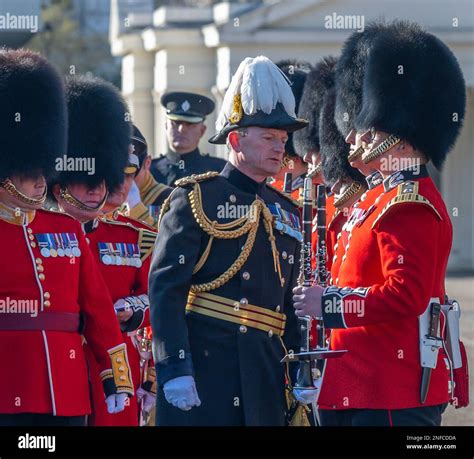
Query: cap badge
{"x": 185, "y": 106}
{"x": 237, "y": 111}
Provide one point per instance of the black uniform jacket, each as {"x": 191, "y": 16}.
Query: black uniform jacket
{"x": 238, "y": 373}
{"x": 172, "y": 166}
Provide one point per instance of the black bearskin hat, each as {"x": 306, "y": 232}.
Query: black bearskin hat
{"x": 334, "y": 149}
{"x": 350, "y": 71}
{"x": 414, "y": 88}
{"x": 140, "y": 147}
{"x": 318, "y": 82}
{"x": 33, "y": 115}
{"x": 296, "y": 72}
{"x": 99, "y": 130}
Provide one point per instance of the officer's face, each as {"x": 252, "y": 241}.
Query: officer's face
{"x": 263, "y": 149}
{"x": 184, "y": 137}
{"x": 91, "y": 197}
{"x": 31, "y": 186}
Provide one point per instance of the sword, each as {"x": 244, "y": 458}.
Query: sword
{"x": 432, "y": 335}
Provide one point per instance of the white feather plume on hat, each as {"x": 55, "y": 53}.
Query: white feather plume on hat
{"x": 261, "y": 85}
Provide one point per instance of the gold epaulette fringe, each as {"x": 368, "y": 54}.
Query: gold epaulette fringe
{"x": 195, "y": 178}
{"x": 146, "y": 242}
{"x": 403, "y": 195}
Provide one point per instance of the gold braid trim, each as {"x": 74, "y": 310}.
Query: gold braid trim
{"x": 247, "y": 224}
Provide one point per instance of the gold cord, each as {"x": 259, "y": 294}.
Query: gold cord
{"x": 247, "y": 224}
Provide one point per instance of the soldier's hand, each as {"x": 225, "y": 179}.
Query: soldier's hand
{"x": 123, "y": 310}
{"x": 181, "y": 392}
{"x": 116, "y": 403}
{"x": 307, "y": 301}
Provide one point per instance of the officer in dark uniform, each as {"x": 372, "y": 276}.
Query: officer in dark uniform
{"x": 185, "y": 113}
{"x": 226, "y": 259}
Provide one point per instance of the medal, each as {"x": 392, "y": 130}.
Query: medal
{"x": 106, "y": 259}
{"x": 53, "y": 252}
{"x": 68, "y": 252}
{"x": 138, "y": 263}
{"x": 118, "y": 260}
{"x": 76, "y": 251}
{"x": 45, "y": 252}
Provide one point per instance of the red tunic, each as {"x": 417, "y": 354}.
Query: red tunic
{"x": 122, "y": 281}
{"x": 394, "y": 263}
{"x": 360, "y": 210}
{"x": 47, "y": 371}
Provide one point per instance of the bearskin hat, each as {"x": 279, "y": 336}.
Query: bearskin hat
{"x": 350, "y": 71}
{"x": 296, "y": 72}
{"x": 99, "y": 131}
{"x": 33, "y": 115}
{"x": 318, "y": 82}
{"x": 334, "y": 149}
{"x": 140, "y": 147}
{"x": 414, "y": 88}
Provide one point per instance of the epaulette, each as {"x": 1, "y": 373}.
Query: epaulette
{"x": 115, "y": 222}
{"x": 146, "y": 242}
{"x": 285, "y": 196}
{"x": 146, "y": 238}
{"x": 140, "y": 223}
{"x": 407, "y": 192}
{"x": 195, "y": 178}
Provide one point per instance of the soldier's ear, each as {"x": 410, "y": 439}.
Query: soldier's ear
{"x": 203, "y": 129}
{"x": 234, "y": 140}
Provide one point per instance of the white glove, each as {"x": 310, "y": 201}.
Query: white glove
{"x": 121, "y": 305}
{"x": 133, "y": 197}
{"x": 116, "y": 403}
{"x": 148, "y": 399}
{"x": 306, "y": 396}
{"x": 309, "y": 396}
{"x": 181, "y": 392}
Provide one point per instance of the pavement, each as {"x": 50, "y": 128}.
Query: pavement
{"x": 462, "y": 289}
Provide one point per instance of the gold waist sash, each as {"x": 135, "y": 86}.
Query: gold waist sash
{"x": 233, "y": 311}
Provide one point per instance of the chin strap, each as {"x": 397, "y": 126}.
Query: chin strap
{"x": 355, "y": 188}
{"x": 388, "y": 143}
{"x": 70, "y": 199}
{"x": 8, "y": 185}
{"x": 315, "y": 170}
{"x": 356, "y": 154}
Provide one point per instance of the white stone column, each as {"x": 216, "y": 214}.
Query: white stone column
{"x": 458, "y": 189}
{"x": 137, "y": 87}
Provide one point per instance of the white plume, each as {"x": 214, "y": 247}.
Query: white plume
{"x": 261, "y": 85}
